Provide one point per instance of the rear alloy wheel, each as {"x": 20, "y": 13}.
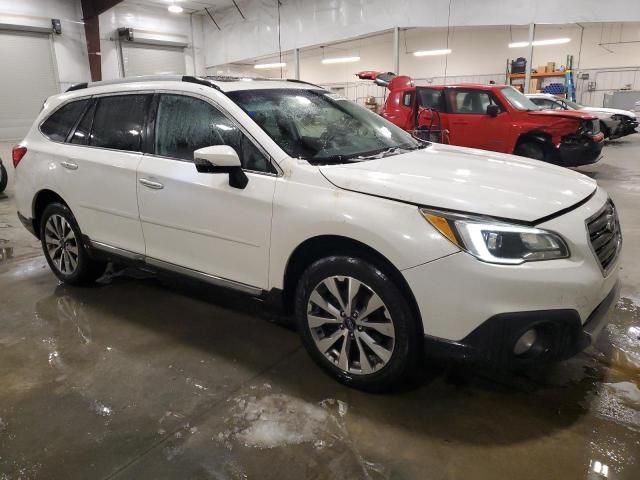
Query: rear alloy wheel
{"x": 533, "y": 150}
{"x": 63, "y": 248}
{"x": 61, "y": 244}
{"x": 357, "y": 325}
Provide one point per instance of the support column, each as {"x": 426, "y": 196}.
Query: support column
{"x": 92, "y": 34}
{"x": 527, "y": 76}
{"x": 90, "y": 11}
{"x": 296, "y": 63}
{"x": 396, "y": 50}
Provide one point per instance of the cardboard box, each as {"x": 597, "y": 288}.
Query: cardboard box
{"x": 541, "y": 69}
{"x": 551, "y": 66}
{"x": 535, "y": 84}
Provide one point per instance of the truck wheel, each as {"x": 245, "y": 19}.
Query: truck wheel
{"x": 357, "y": 325}
{"x": 4, "y": 178}
{"x": 531, "y": 149}
{"x": 62, "y": 245}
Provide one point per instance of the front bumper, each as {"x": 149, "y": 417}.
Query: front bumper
{"x": 577, "y": 151}
{"x": 459, "y": 295}
{"x": 560, "y": 335}
{"x": 627, "y": 127}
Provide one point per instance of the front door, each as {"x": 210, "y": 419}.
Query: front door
{"x": 468, "y": 122}
{"x": 197, "y": 220}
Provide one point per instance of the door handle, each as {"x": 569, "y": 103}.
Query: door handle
{"x": 69, "y": 165}
{"x": 151, "y": 184}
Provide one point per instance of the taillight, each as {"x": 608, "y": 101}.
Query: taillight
{"x": 17, "y": 153}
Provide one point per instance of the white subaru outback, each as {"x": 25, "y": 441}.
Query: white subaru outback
{"x": 383, "y": 247}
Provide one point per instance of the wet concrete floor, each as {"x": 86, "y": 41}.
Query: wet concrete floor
{"x": 141, "y": 377}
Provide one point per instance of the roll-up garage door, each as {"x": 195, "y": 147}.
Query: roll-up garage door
{"x": 143, "y": 59}
{"x": 27, "y": 79}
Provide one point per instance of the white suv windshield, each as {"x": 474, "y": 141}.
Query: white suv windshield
{"x": 518, "y": 100}
{"x": 322, "y": 127}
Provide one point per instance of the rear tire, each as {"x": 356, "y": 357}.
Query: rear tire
{"x": 368, "y": 338}
{"x": 4, "y": 178}
{"x": 63, "y": 248}
{"x": 531, "y": 149}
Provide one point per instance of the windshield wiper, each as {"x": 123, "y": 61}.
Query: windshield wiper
{"x": 380, "y": 154}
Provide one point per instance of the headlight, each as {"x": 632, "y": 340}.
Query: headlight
{"x": 496, "y": 242}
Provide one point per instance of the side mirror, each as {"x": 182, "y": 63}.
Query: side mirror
{"x": 493, "y": 110}
{"x": 221, "y": 159}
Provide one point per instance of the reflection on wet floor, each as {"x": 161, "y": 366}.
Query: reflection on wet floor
{"x": 168, "y": 380}
{"x": 6, "y": 250}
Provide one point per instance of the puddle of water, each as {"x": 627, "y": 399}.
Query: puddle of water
{"x": 620, "y": 341}
{"x": 6, "y": 250}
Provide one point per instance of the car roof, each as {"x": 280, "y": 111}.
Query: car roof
{"x": 474, "y": 86}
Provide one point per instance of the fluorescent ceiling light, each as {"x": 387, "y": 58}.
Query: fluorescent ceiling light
{"x": 428, "y": 53}
{"x": 340, "y": 60}
{"x": 175, "y": 8}
{"x": 540, "y": 43}
{"x": 269, "y": 65}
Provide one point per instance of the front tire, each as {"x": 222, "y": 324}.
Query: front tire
{"x": 531, "y": 149}
{"x": 357, "y": 325}
{"x": 63, "y": 248}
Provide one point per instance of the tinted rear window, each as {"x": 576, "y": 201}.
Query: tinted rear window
{"x": 118, "y": 122}
{"x": 58, "y": 125}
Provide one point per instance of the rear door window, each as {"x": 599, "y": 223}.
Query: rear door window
{"x": 58, "y": 125}
{"x": 430, "y": 98}
{"x": 118, "y": 122}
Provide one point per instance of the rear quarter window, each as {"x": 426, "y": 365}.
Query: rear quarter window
{"x": 59, "y": 124}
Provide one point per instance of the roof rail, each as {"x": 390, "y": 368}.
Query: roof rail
{"x": 295, "y": 80}
{"x": 77, "y": 86}
{"x": 200, "y": 81}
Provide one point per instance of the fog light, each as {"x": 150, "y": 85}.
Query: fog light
{"x": 525, "y": 342}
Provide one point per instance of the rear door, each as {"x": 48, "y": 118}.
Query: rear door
{"x": 99, "y": 169}
{"x": 468, "y": 122}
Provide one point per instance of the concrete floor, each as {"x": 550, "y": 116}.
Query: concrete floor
{"x": 143, "y": 378}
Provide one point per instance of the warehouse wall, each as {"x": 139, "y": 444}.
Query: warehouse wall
{"x": 475, "y": 51}
{"x": 149, "y": 19}
{"x": 70, "y": 47}
{"x": 479, "y": 54}
{"x": 313, "y": 22}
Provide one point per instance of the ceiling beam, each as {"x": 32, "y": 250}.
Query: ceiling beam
{"x": 92, "y": 8}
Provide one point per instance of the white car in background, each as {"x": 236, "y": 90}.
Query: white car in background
{"x": 381, "y": 246}
{"x": 614, "y": 123}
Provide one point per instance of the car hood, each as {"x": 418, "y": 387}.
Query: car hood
{"x": 577, "y": 114}
{"x": 608, "y": 111}
{"x": 467, "y": 180}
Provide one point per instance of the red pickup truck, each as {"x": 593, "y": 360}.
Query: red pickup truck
{"x": 490, "y": 117}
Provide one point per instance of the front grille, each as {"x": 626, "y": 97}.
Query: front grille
{"x": 605, "y": 235}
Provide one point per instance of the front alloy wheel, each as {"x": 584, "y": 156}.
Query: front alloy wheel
{"x": 357, "y": 324}
{"x": 350, "y": 325}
